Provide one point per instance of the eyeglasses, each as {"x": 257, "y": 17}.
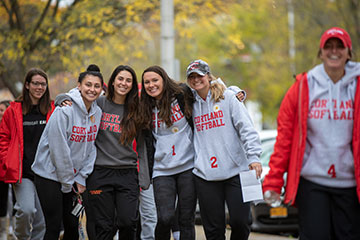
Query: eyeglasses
{"x": 37, "y": 84}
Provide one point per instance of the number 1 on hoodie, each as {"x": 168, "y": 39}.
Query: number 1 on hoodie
{"x": 173, "y": 150}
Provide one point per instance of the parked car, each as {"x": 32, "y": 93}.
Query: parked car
{"x": 283, "y": 219}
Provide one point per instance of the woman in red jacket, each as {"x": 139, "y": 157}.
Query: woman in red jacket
{"x": 20, "y": 131}
{"x": 318, "y": 144}
{"x": 4, "y": 187}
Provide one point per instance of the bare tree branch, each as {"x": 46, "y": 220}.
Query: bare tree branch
{"x": 56, "y": 8}
{"x": 5, "y": 6}
{"x": 41, "y": 19}
{"x": 16, "y": 9}
{"x": 8, "y": 10}
{"x": 69, "y": 10}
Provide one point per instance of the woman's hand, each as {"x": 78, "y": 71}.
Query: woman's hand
{"x": 272, "y": 198}
{"x": 80, "y": 188}
{"x": 257, "y": 167}
{"x": 240, "y": 96}
{"x": 66, "y": 103}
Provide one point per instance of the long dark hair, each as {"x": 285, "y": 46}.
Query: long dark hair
{"x": 170, "y": 90}
{"x": 129, "y": 120}
{"x": 24, "y": 98}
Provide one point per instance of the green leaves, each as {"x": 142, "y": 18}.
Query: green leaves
{"x": 246, "y": 43}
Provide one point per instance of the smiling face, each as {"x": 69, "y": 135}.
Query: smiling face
{"x": 37, "y": 87}
{"x": 199, "y": 83}
{"x": 122, "y": 85}
{"x": 153, "y": 84}
{"x": 334, "y": 55}
{"x": 90, "y": 89}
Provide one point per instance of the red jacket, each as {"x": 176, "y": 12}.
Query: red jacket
{"x": 290, "y": 143}
{"x": 11, "y": 143}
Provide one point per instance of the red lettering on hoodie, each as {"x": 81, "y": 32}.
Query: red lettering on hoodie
{"x": 209, "y": 121}
{"x": 320, "y": 110}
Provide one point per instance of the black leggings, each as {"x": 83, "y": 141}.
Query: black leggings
{"x": 57, "y": 207}
{"x": 4, "y": 189}
{"x": 166, "y": 188}
{"x": 212, "y": 197}
{"x": 327, "y": 213}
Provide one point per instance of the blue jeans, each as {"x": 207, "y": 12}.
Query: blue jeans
{"x": 148, "y": 215}
{"x": 166, "y": 189}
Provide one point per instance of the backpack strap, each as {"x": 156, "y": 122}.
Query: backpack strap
{"x": 181, "y": 100}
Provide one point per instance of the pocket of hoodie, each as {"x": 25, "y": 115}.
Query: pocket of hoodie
{"x": 210, "y": 166}
{"x": 313, "y": 167}
{"x": 166, "y": 149}
{"x": 49, "y": 166}
{"x": 346, "y": 167}
{"x": 319, "y": 164}
{"x": 237, "y": 154}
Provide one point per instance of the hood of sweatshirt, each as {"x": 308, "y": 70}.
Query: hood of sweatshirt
{"x": 77, "y": 99}
{"x": 321, "y": 79}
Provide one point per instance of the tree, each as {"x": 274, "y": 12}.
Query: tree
{"x": 247, "y": 47}
{"x": 138, "y": 43}
{"x": 44, "y": 34}
{"x": 40, "y": 33}
{"x": 245, "y": 42}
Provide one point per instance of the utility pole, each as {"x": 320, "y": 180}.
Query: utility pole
{"x": 167, "y": 42}
{"x": 291, "y": 27}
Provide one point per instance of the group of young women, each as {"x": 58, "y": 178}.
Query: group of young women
{"x": 89, "y": 146}
{"x": 192, "y": 141}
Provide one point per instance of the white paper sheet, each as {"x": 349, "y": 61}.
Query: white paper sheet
{"x": 251, "y": 186}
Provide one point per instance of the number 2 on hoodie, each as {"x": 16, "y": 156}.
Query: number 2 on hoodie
{"x": 213, "y": 161}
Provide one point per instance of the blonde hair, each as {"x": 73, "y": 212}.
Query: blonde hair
{"x": 217, "y": 89}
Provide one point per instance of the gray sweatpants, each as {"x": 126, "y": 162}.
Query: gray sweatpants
{"x": 29, "y": 219}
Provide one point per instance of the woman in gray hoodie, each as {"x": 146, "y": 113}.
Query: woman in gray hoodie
{"x": 166, "y": 109}
{"x": 318, "y": 144}
{"x": 225, "y": 143}
{"x": 66, "y": 154}
{"x": 113, "y": 186}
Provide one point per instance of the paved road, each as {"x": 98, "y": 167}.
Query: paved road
{"x": 253, "y": 236}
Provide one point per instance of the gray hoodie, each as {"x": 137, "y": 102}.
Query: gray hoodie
{"x": 174, "y": 149}
{"x": 225, "y": 139}
{"x": 174, "y": 145}
{"x": 110, "y": 153}
{"x": 328, "y": 158}
{"x": 66, "y": 152}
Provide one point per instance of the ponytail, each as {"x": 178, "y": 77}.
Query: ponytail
{"x": 217, "y": 89}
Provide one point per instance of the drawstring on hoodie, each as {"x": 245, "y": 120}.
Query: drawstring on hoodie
{"x": 200, "y": 100}
{"x": 337, "y": 93}
{"x": 156, "y": 119}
